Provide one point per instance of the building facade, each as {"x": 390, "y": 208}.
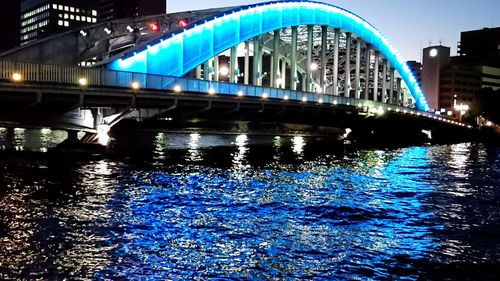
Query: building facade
{"x": 435, "y": 59}
{"x": 480, "y": 47}
{"x": 118, "y": 9}
{"x": 43, "y": 18}
{"x": 9, "y": 33}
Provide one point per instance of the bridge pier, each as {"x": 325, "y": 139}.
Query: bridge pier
{"x": 367, "y": 71}
{"x": 347, "y": 79}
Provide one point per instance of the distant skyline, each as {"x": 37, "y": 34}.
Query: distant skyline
{"x": 409, "y": 25}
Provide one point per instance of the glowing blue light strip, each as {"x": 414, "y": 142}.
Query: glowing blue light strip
{"x": 178, "y": 54}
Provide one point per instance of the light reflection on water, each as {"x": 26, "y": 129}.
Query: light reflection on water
{"x": 284, "y": 209}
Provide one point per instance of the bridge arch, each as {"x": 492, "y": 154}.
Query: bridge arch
{"x": 180, "y": 53}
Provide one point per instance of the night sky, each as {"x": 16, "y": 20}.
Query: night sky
{"x": 409, "y": 25}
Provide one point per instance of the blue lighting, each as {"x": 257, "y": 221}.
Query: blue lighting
{"x": 180, "y": 53}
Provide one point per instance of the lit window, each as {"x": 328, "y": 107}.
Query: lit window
{"x": 61, "y": 7}
{"x": 72, "y": 9}
{"x": 77, "y": 10}
{"x": 66, "y": 23}
{"x": 84, "y": 18}
{"x": 89, "y": 19}
{"x": 66, "y": 8}
{"x": 77, "y": 17}
{"x": 71, "y": 17}
{"x": 60, "y": 22}
{"x": 66, "y": 16}
{"x": 54, "y": 6}
{"x": 94, "y": 13}
{"x": 94, "y": 20}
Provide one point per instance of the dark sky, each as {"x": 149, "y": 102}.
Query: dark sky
{"x": 408, "y": 24}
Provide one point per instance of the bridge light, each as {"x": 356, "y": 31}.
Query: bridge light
{"x": 240, "y": 93}
{"x": 320, "y": 101}
{"x": 17, "y": 77}
{"x": 224, "y": 71}
{"x": 154, "y": 27}
{"x": 360, "y": 105}
{"x": 285, "y": 97}
{"x": 83, "y": 82}
{"x": 265, "y": 95}
{"x": 183, "y": 23}
{"x": 177, "y": 88}
{"x": 135, "y": 85}
{"x": 335, "y": 102}
{"x": 314, "y": 66}
{"x": 279, "y": 81}
{"x": 304, "y": 99}
{"x": 211, "y": 91}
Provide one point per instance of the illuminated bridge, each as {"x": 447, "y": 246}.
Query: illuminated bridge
{"x": 282, "y": 61}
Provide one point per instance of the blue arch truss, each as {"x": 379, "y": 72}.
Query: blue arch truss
{"x": 178, "y": 54}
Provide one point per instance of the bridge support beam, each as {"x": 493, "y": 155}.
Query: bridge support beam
{"x": 398, "y": 91}
{"x": 198, "y": 72}
{"x": 293, "y": 59}
{"x": 375, "y": 76}
{"x": 367, "y": 71}
{"x": 336, "y": 62}
{"x": 309, "y": 61}
{"x": 391, "y": 86}
{"x": 216, "y": 68}
{"x": 357, "y": 84}
{"x": 384, "y": 80}
{"x": 246, "y": 74}
{"x": 257, "y": 61}
{"x": 283, "y": 73}
{"x": 207, "y": 69}
{"x": 324, "y": 38}
{"x": 233, "y": 65}
{"x": 276, "y": 60}
{"x": 347, "y": 80}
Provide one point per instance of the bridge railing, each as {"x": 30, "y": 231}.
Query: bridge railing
{"x": 70, "y": 75}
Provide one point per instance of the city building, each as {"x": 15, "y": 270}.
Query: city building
{"x": 9, "y": 33}
{"x": 43, "y": 18}
{"x": 119, "y": 9}
{"x": 416, "y": 69}
{"x": 451, "y": 81}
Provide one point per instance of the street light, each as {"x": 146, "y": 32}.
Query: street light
{"x": 17, "y": 77}
{"x": 83, "y": 82}
{"x": 462, "y": 108}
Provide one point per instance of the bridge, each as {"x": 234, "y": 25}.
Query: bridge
{"x": 299, "y": 62}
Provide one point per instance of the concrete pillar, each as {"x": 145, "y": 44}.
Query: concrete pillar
{"x": 256, "y": 61}
{"x": 324, "y": 37}
{"x": 283, "y": 73}
{"x": 308, "y": 86}
{"x": 293, "y": 75}
{"x": 276, "y": 59}
{"x": 198, "y": 72}
{"x": 398, "y": 91}
{"x": 304, "y": 82}
{"x": 233, "y": 65}
{"x": 336, "y": 62}
{"x": 375, "y": 76}
{"x": 246, "y": 74}
{"x": 391, "y": 86}
{"x": 384, "y": 80}
{"x": 357, "y": 84}
{"x": 347, "y": 80}
{"x": 216, "y": 68}
{"x": 367, "y": 71}
{"x": 207, "y": 68}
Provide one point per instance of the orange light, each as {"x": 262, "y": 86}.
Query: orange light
{"x": 183, "y": 23}
{"x": 154, "y": 27}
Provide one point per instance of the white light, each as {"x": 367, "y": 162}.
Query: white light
{"x": 224, "y": 71}
{"x": 335, "y": 102}
{"x": 211, "y": 91}
{"x": 135, "y": 85}
{"x": 320, "y": 101}
{"x": 489, "y": 123}
{"x": 240, "y": 93}
{"x": 102, "y": 134}
{"x": 319, "y": 90}
{"x": 107, "y": 30}
{"x": 83, "y": 81}
{"x": 285, "y": 97}
{"x": 314, "y": 66}
{"x": 83, "y": 33}
{"x": 433, "y": 52}
{"x": 360, "y": 105}
{"x": 130, "y": 29}
{"x": 265, "y": 96}
{"x": 279, "y": 81}
{"x": 177, "y": 88}
{"x": 304, "y": 99}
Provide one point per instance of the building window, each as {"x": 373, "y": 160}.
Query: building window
{"x": 94, "y": 13}
{"x": 66, "y": 23}
{"x": 60, "y": 22}
{"x": 78, "y": 18}
{"x": 71, "y": 17}
{"x": 72, "y": 9}
{"x": 54, "y": 6}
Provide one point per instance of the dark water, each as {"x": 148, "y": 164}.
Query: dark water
{"x": 250, "y": 208}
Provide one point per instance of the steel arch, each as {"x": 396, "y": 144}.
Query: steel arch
{"x": 179, "y": 53}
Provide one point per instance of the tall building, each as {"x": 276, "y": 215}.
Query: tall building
{"x": 9, "y": 18}
{"x": 119, "y": 9}
{"x": 416, "y": 69}
{"x": 480, "y": 47}
{"x": 435, "y": 59}
{"x": 43, "y": 18}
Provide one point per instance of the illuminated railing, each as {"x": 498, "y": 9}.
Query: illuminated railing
{"x": 31, "y": 73}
